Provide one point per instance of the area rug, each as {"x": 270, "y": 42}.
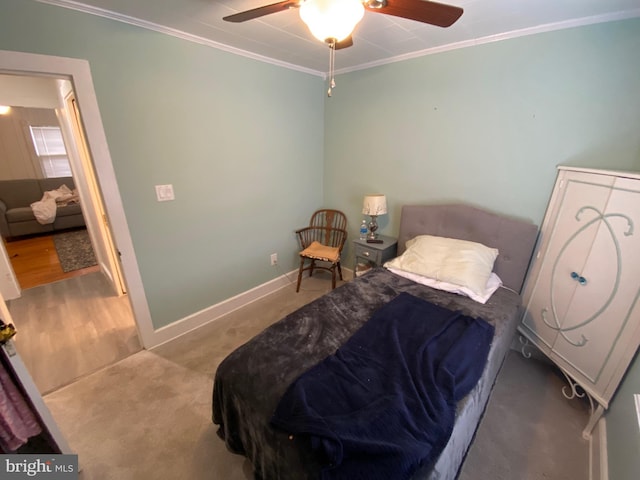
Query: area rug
{"x": 74, "y": 250}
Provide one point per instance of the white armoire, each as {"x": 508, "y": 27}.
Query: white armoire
{"x": 582, "y": 292}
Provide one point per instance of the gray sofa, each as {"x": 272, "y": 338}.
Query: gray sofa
{"x": 16, "y": 216}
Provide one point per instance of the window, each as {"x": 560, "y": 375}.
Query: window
{"x": 50, "y": 150}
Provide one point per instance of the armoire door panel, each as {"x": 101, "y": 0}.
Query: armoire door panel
{"x": 599, "y": 310}
{"x": 563, "y": 255}
{"x": 611, "y": 371}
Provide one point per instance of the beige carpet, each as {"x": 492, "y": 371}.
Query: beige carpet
{"x": 72, "y": 327}
{"x": 149, "y": 416}
{"x": 529, "y": 430}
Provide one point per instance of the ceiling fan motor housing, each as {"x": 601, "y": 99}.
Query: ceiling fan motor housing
{"x": 376, "y": 4}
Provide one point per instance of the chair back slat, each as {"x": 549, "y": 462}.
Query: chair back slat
{"x": 327, "y": 221}
{"x": 329, "y": 237}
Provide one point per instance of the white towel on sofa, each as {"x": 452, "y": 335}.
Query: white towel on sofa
{"x": 45, "y": 209}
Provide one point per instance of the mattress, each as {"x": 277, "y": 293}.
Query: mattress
{"x": 250, "y": 382}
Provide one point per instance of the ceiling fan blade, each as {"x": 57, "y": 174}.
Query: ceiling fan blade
{"x": 262, "y": 11}
{"x": 347, "y": 42}
{"x": 433, "y": 13}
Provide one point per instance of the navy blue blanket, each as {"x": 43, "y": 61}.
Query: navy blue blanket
{"x": 384, "y": 404}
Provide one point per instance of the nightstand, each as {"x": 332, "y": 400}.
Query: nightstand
{"x": 369, "y": 255}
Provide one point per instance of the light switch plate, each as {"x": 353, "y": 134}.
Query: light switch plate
{"x": 164, "y": 193}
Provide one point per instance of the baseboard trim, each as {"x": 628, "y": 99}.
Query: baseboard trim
{"x": 210, "y": 314}
{"x": 598, "y": 456}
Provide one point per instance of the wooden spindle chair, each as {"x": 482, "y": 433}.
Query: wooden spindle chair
{"x": 322, "y": 241}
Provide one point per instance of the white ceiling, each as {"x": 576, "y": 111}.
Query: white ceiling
{"x": 283, "y": 39}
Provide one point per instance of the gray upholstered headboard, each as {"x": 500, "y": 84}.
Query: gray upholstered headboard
{"x": 515, "y": 239}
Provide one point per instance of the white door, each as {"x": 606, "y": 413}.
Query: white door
{"x": 84, "y": 176}
{"x": 9, "y": 287}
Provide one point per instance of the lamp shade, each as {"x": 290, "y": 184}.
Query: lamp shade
{"x": 331, "y": 19}
{"x": 375, "y": 204}
{"x": 4, "y": 109}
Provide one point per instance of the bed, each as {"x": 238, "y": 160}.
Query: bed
{"x": 255, "y": 380}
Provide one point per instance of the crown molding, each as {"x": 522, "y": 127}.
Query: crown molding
{"x": 550, "y": 27}
{"x": 80, "y": 7}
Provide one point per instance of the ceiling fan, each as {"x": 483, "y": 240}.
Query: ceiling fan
{"x": 333, "y": 21}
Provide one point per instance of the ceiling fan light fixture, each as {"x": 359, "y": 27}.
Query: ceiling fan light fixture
{"x": 376, "y": 4}
{"x": 331, "y": 19}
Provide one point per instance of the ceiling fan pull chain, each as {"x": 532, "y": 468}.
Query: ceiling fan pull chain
{"x": 332, "y": 59}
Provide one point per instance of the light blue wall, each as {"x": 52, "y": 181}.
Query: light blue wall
{"x": 488, "y": 125}
{"x": 241, "y": 141}
{"x": 485, "y": 124}
{"x": 623, "y": 431}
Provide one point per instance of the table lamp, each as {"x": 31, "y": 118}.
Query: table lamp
{"x": 374, "y": 205}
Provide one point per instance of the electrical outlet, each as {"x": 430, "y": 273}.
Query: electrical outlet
{"x": 274, "y": 259}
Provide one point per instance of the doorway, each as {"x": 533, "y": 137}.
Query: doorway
{"x": 64, "y": 329}
{"x": 36, "y": 164}
{"x": 78, "y": 319}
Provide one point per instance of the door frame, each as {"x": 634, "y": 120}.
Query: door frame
{"x": 79, "y": 73}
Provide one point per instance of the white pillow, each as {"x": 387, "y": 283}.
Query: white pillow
{"x": 492, "y": 285}
{"x": 460, "y": 262}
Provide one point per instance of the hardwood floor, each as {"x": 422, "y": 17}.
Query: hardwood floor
{"x": 35, "y": 261}
{"x": 68, "y": 324}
